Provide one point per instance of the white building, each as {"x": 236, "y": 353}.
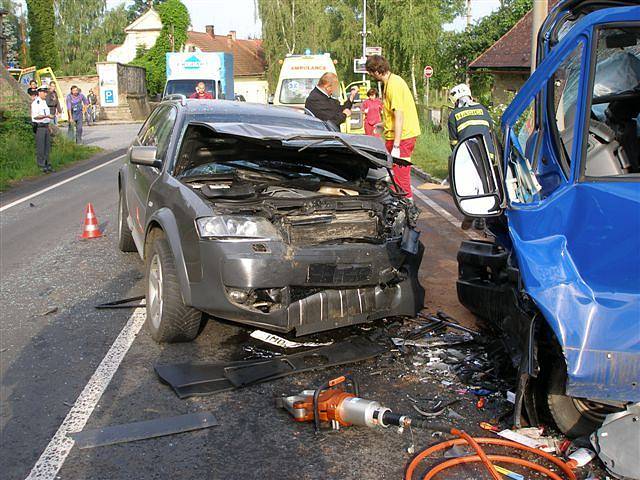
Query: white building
{"x": 248, "y": 56}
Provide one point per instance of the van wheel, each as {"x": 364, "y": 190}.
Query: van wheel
{"x": 575, "y": 417}
{"x": 125, "y": 239}
{"x": 168, "y": 318}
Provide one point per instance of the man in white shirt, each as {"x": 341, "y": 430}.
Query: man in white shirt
{"x": 41, "y": 117}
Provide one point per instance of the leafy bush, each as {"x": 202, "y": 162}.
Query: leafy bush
{"x": 18, "y": 151}
{"x": 175, "y": 22}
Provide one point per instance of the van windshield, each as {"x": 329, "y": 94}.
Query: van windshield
{"x": 188, "y": 87}
{"x": 296, "y": 90}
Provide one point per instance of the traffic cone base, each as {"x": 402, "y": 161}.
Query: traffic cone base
{"x": 91, "y": 228}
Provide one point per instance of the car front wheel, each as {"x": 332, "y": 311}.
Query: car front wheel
{"x": 168, "y": 318}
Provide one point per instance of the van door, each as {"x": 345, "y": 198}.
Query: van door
{"x": 573, "y": 199}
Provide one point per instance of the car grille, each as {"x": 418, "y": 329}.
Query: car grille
{"x": 320, "y": 228}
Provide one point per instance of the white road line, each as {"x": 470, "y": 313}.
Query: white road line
{"x": 54, "y": 456}
{"x": 440, "y": 211}
{"x": 55, "y": 185}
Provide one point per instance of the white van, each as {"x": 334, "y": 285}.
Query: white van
{"x": 298, "y": 76}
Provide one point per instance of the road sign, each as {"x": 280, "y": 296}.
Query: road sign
{"x": 108, "y": 96}
{"x": 358, "y": 65}
{"x": 368, "y": 51}
{"x": 428, "y": 71}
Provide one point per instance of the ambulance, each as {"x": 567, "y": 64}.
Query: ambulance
{"x": 300, "y": 74}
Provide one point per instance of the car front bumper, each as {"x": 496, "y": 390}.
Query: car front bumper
{"x": 321, "y": 287}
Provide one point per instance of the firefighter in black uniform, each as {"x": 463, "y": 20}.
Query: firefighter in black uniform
{"x": 467, "y": 119}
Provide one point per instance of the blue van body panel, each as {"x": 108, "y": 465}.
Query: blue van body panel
{"x": 226, "y": 76}
{"x": 578, "y": 245}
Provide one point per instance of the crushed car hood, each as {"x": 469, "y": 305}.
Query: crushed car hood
{"x": 367, "y": 150}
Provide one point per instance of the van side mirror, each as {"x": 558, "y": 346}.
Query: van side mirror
{"x": 476, "y": 183}
{"x": 143, "y": 155}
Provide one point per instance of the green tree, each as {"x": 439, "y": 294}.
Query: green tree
{"x": 10, "y": 29}
{"x": 83, "y": 38}
{"x": 175, "y": 22}
{"x": 43, "y": 48}
{"x": 138, "y": 7}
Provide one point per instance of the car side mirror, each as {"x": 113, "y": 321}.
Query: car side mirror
{"x": 475, "y": 181}
{"x": 143, "y": 155}
{"x": 270, "y": 99}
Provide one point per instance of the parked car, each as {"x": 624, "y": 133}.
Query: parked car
{"x": 264, "y": 216}
{"x": 561, "y": 282}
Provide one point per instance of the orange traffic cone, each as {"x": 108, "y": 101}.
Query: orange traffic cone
{"x": 91, "y": 228}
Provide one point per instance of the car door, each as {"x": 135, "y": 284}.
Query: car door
{"x": 157, "y": 135}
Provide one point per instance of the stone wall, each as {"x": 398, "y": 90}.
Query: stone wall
{"x": 83, "y": 82}
{"x": 506, "y": 85}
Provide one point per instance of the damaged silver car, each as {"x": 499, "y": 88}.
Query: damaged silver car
{"x": 267, "y": 217}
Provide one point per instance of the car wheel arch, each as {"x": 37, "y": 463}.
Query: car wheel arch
{"x": 164, "y": 220}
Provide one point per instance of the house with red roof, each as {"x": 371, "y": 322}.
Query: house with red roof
{"x": 249, "y": 63}
{"x": 509, "y": 59}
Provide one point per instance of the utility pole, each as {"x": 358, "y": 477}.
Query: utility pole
{"x": 540, "y": 10}
{"x": 468, "y": 14}
{"x": 364, "y": 33}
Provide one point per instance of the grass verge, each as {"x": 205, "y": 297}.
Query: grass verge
{"x": 432, "y": 152}
{"x": 18, "y": 151}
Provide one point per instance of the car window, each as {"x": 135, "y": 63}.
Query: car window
{"x": 301, "y": 121}
{"x": 147, "y": 123}
{"x": 566, "y": 81}
{"x": 296, "y": 90}
{"x": 159, "y": 132}
{"x": 612, "y": 147}
{"x": 521, "y": 182}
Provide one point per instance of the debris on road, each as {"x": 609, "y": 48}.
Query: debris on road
{"x": 48, "y": 311}
{"x": 131, "y": 302}
{"x": 283, "y": 342}
{"x": 131, "y": 432}
{"x": 205, "y": 379}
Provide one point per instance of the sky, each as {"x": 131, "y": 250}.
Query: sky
{"x": 240, "y": 15}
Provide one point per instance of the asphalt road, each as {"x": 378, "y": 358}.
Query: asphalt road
{"x": 63, "y": 363}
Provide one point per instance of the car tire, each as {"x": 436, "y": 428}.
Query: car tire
{"x": 125, "y": 238}
{"x": 575, "y": 417}
{"x": 168, "y": 318}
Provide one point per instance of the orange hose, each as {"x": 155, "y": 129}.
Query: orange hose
{"x": 487, "y": 458}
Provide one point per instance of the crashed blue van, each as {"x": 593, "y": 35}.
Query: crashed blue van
{"x": 561, "y": 281}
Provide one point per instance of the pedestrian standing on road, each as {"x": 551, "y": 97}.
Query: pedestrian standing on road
{"x": 41, "y": 117}
{"x": 53, "y": 102}
{"x": 92, "y": 107}
{"x": 201, "y": 92}
{"x": 401, "y": 124}
{"x": 321, "y": 103}
{"x": 76, "y": 106}
{"x": 372, "y": 108}
{"x": 467, "y": 119}
{"x": 32, "y": 91}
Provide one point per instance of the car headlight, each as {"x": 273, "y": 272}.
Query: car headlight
{"x": 236, "y": 227}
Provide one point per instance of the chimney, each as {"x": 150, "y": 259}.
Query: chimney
{"x": 209, "y": 30}
{"x": 232, "y": 35}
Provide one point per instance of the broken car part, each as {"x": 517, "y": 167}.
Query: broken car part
{"x": 130, "y": 432}
{"x": 283, "y": 342}
{"x": 205, "y": 379}
{"x": 617, "y": 442}
{"x": 132, "y": 302}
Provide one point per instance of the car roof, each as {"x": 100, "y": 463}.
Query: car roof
{"x": 196, "y": 107}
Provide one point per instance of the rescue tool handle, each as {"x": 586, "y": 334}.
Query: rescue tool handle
{"x": 326, "y": 386}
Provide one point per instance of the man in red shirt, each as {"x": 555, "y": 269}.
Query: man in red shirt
{"x": 201, "y": 92}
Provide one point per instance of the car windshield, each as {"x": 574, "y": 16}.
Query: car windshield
{"x": 296, "y": 90}
{"x": 188, "y": 87}
{"x": 303, "y": 122}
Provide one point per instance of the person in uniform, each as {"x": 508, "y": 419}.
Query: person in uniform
{"x": 468, "y": 119}
{"x": 41, "y": 117}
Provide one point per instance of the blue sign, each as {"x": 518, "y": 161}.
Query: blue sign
{"x": 108, "y": 96}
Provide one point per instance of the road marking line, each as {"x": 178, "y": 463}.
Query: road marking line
{"x": 54, "y": 456}
{"x": 440, "y": 211}
{"x": 55, "y": 185}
